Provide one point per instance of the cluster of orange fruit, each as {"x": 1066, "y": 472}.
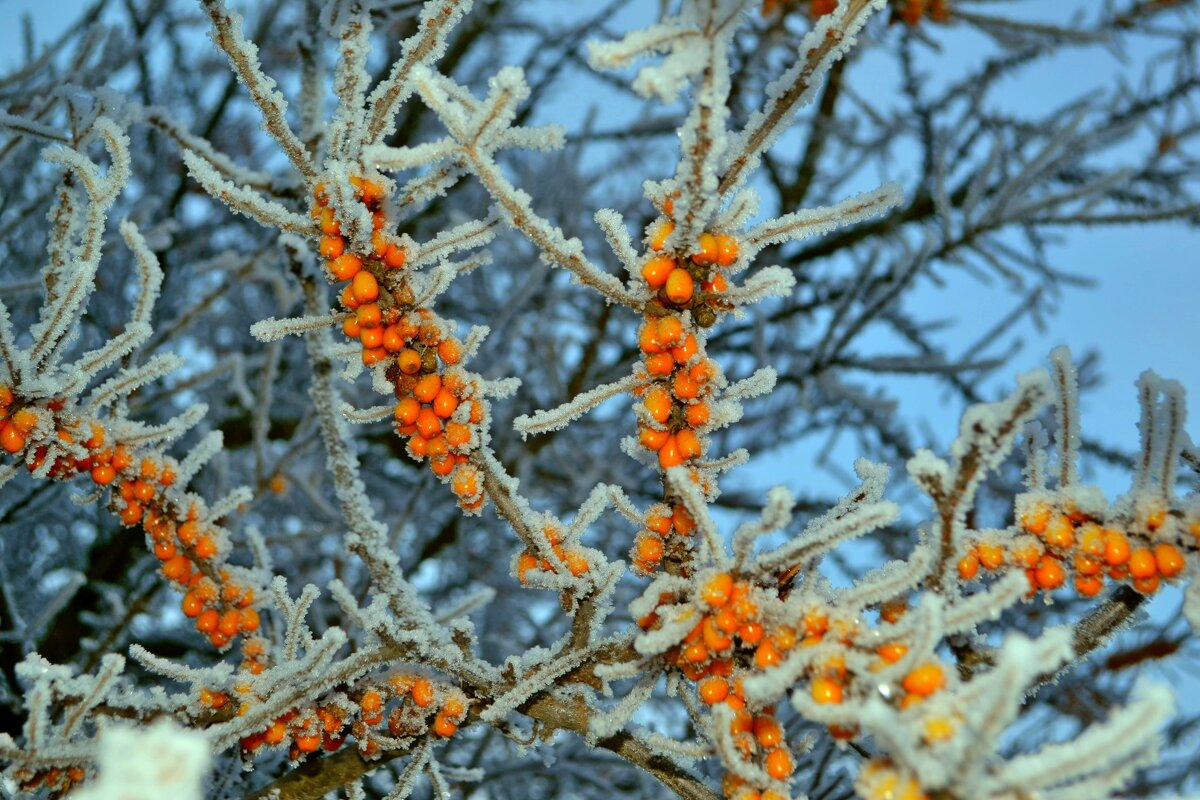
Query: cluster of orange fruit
{"x": 733, "y": 638}
{"x": 908, "y": 11}
{"x": 573, "y": 560}
{"x": 190, "y": 551}
{"x": 879, "y": 779}
{"x": 1060, "y": 539}
{"x": 660, "y": 523}
{"x": 421, "y": 705}
{"x": 411, "y": 344}
{"x": 57, "y": 781}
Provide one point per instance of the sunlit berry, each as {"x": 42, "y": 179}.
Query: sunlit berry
{"x": 345, "y": 267}
{"x": 1049, "y": 573}
{"x": 779, "y": 764}
{"x": 656, "y": 270}
{"x": 826, "y": 690}
{"x": 713, "y": 690}
{"x": 717, "y": 589}
{"x": 1142, "y": 563}
{"x": 924, "y": 680}
{"x": 679, "y": 286}
{"x": 1168, "y": 559}
{"x": 332, "y": 246}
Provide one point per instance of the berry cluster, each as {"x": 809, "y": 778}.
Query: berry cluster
{"x": 418, "y": 706}
{"x": 190, "y": 546}
{"x": 57, "y": 781}
{"x": 737, "y": 635}
{"x": 572, "y": 559}
{"x": 1061, "y": 538}
{"x": 660, "y": 523}
{"x": 439, "y": 408}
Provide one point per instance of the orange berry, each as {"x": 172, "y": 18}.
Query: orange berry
{"x": 207, "y": 620}
{"x": 1059, "y": 532}
{"x": 683, "y": 354}
{"x": 1049, "y": 573}
{"x": 713, "y": 690}
{"x": 103, "y": 474}
{"x": 365, "y": 287}
{"x": 422, "y": 692}
{"x": 407, "y": 411}
{"x": 714, "y": 639}
{"x": 697, "y": 415}
{"x": 679, "y": 286}
{"x": 248, "y": 620}
{"x": 457, "y": 434}
{"x": 656, "y": 270}
{"x": 751, "y": 633}
{"x": 658, "y": 404}
{"x": 409, "y": 361}
{"x": 275, "y": 733}
{"x": 1142, "y": 563}
{"x": 1088, "y": 585}
{"x": 450, "y": 351}
{"x": 891, "y": 652}
{"x": 427, "y": 388}
{"x": 344, "y": 267}
{"x": 651, "y": 438}
{"x": 660, "y": 364}
{"x": 924, "y": 680}
{"x": 229, "y": 623}
{"x": 177, "y": 569}
{"x": 779, "y": 764}
{"x": 206, "y": 547}
{"x": 717, "y": 590}
{"x": 648, "y": 549}
{"x": 670, "y": 331}
{"x": 307, "y": 743}
{"x": 659, "y": 232}
{"x": 394, "y": 256}
{"x": 767, "y": 731}
{"x": 332, "y": 246}
{"x": 444, "y": 404}
{"x": 371, "y": 338}
{"x": 164, "y": 550}
{"x": 1147, "y": 585}
{"x": 968, "y": 567}
{"x": 11, "y": 439}
{"x": 688, "y": 444}
{"x": 669, "y": 455}
{"x": 684, "y": 386}
{"x": 826, "y": 690}
{"x": 767, "y": 655}
{"x": 991, "y": 556}
{"x": 368, "y": 315}
{"x": 1168, "y": 559}
{"x": 443, "y": 727}
{"x": 1116, "y": 548}
{"x": 428, "y": 424}
{"x": 726, "y": 250}
{"x": 192, "y": 605}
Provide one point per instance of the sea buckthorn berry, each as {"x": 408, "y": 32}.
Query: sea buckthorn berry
{"x": 427, "y": 388}
{"x": 177, "y": 569}
{"x": 457, "y": 434}
{"x": 714, "y": 639}
{"x": 409, "y": 361}
{"x": 206, "y": 547}
{"x": 767, "y": 655}
{"x": 394, "y": 256}
{"x": 1116, "y": 548}
{"x": 695, "y": 652}
{"x": 351, "y": 328}
{"x": 779, "y": 764}
{"x": 444, "y": 727}
{"x": 372, "y": 193}
{"x": 407, "y": 411}
{"x": 208, "y": 620}
{"x": 332, "y": 246}
{"x": 891, "y": 652}
{"x": 366, "y": 288}
{"x": 1059, "y": 533}
{"x": 968, "y": 567}
{"x": 688, "y": 443}
{"x": 1168, "y": 559}
{"x": 658, "y": 404}
{"x": 428, "y": 423}
{"x": 659, "y": 523}
{"x": 658, "y": 234}
{"x": 991, "y": 556}
{"x": 656, "y": 270}
{"x": 368, "y": 315}
{"x": 1147, "y": 585}
{"x": 164, "y": 550}
{"x": 275, "y": 733}
{"x": 1049, "y": 573}
{"x": 713, "y": 690}
{"x": 706, "y": 253}
{"x": 679, "y": 286}
{"x": 670, "y": 331}
{"x": 329, "y": 224}
{"x": 1088, "y": 585}
{"x": 1036, "y": 518}
{"x": 697, "y": 415}
{"x": 248, "y": 620}
{"x": 669, "y": 455}
{"x": 11, "y": 439}
{"x": 371, "y": 338}
{"x": 717, "y": 590}
{"x": 1142, "y": 563}
{"x": 767, "y": 731}
{"x": 422, "y": 692}
{"x": 683, "y": 353}
{"x": 24, "y": 420}
{"x": 450, "y": 351}
{"x": 308, "y": 743}
{"x": 726, "y": 249}
{"x": 660, "y": 364}
{"x": 648, "y": 339}
{"x": 826, "y": 690}
{"x": 192, "y": 605}
{"x": 103, "y": 474}
{"x": 229, "y": 622}
{"x": 924, "y": 680}
{"x": 648, "y": 549}
{"x": 444, "y": 404}
{"x": 684, "y": 386}
{"x": 751, "y": 633}
{"x": 651, "y": 438}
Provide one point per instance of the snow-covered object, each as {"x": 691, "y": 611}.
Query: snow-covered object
{"x": 161, "y": 760}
